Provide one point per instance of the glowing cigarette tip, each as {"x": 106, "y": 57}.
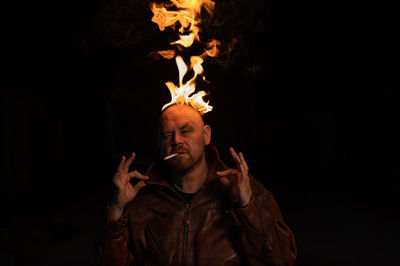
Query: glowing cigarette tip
{"x": 170, "y": 156}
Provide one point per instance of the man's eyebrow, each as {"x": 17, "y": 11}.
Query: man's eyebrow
{"x": 186, "y": 125}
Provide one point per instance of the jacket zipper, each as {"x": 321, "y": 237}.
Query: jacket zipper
{"x": 185, "y": 234}
{"x": 186, "y": 223}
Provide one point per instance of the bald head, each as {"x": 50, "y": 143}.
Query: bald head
{"x": 182, "y": 111}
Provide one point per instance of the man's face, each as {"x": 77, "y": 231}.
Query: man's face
{"x": 182, "y": 131}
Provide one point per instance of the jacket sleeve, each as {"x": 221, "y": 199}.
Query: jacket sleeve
{"x": 113, "y": 244}
{"x": 263, "y": 236}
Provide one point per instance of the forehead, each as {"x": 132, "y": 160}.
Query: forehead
{"x": 179, "y": 115}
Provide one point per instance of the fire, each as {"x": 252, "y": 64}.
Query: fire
{"x": 182, "y": 94}
{"x": 186, "y": 15}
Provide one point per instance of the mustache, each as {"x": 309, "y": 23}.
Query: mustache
{"x": 179, "y": 149}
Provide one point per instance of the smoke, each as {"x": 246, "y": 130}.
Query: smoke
{"x": 124, "y": 22}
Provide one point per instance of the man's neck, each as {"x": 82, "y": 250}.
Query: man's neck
{"x": 192, "y": 180}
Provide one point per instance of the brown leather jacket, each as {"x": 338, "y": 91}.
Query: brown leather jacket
{"x": 159, "y": 228}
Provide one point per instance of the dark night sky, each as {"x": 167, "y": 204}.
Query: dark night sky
{"x": 308, "y": 94}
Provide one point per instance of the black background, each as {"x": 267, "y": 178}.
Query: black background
{"x": 308, "y": 94}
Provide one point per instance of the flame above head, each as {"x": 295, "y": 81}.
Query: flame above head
{"x": 183, "y": 93}
{"x": 186, "y": 15}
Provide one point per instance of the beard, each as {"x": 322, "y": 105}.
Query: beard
{"x": 184, "y": 163}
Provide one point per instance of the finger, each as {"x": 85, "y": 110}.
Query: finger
{"x": 122, "y": 163}
{"x": 225, "y": 181}
{"x": 129, "y": 161}
{"x": 235, "y": 157}
{"x": 227, "y": 172}
{"x": 137, "y": 174}
{"x": 243, "y": 161}
{"x": 234, "y": 154}
{"x": 231, "y": 175}
{"x": 138, "y": 186}
{"x": 241, "y": 167}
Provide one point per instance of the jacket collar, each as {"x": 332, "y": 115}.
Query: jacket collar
{"x": 159, "y": 174}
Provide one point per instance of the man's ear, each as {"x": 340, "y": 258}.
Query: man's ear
{"x": 207, "y": 134}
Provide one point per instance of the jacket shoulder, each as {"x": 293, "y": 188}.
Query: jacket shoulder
{"x": 258, "y": 187}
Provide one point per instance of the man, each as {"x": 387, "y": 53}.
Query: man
{"x": 192, "y": 209}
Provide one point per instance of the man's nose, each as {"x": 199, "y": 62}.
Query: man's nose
{"x": 177, "y": 138}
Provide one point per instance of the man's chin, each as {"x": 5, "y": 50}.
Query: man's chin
{"x": 179, "y": 165}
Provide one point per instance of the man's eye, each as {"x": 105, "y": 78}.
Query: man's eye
{"x": 167, "y": 135}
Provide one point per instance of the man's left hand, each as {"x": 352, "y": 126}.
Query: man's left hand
{"x": 240, "y": 186}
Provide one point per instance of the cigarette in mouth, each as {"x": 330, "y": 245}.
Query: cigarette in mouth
{"x": 170, "y": 156}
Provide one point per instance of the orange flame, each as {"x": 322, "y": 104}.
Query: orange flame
{"x": 186, "y": 13}
{"x": 182, "y": 94}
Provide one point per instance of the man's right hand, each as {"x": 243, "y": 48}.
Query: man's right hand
{"x": 125, "y": 192}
